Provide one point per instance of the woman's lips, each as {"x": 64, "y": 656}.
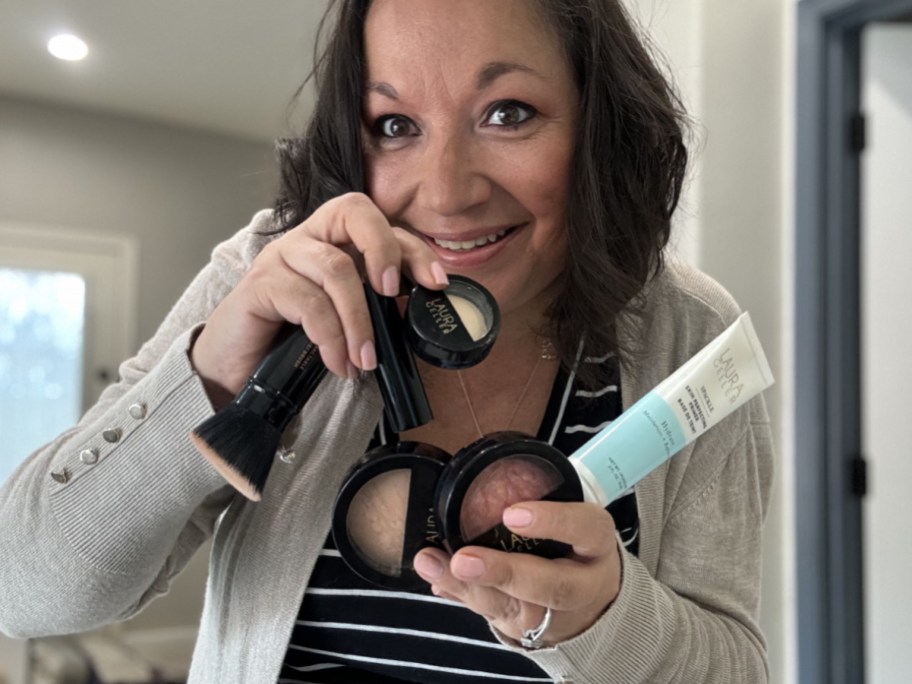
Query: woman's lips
{"x": 469, "y": 252}
{"x": 464, "y": 245}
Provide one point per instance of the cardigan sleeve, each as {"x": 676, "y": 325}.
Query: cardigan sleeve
{"x": 96, "y": 523}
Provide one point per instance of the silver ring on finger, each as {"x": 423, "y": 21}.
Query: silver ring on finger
{"x": 534, "y": 638}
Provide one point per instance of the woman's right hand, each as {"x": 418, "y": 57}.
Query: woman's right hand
{"x": 311, "y": 276}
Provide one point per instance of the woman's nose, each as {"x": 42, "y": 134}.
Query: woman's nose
{"x": 452, "y": 177}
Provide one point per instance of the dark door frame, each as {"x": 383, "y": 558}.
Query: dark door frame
{"x": 830, "y": 467}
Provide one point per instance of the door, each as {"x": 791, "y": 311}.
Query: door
{"x": 886, "y": 368}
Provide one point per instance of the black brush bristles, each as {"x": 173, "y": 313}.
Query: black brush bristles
{"x": 240, "y": 445}
{"x": 241, "y": 439}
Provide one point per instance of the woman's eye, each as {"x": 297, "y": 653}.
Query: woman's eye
{"x": 394, "y": 126}
{"x": 509, "y": 114}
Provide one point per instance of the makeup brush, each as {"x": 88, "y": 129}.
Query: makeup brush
{"x": 241, "y": 439}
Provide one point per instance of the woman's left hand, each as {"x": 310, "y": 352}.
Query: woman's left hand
{"x": 512, "y": 590}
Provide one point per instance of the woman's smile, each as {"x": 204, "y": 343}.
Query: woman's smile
{"x": 463, "y": 244}
{"x": 469, "y": 250}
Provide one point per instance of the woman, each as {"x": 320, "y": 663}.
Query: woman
{"x": 533, "y": 146}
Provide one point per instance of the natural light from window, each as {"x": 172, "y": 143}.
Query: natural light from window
{"x": 41, "y": 359}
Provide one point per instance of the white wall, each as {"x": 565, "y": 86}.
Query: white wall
{"x": 742, "y": 229}
{"x": 734, "y": 64}
{"x": 886, "y": 331}
{"x": 675, "y": 28}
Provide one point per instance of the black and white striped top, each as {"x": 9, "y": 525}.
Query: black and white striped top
{"x": 349, "y": 630}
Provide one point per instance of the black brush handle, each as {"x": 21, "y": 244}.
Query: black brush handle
{"x": 284, "y": 381}
{"x": 403, "y": 393}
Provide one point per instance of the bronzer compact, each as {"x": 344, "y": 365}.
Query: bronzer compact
{"x": 493, "y": 473}
{"x": 384, "y": 513}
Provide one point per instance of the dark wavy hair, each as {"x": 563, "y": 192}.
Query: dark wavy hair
{"x": 627, "y": 171}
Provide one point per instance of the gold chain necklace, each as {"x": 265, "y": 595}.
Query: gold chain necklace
{"x": 545, "y": 354}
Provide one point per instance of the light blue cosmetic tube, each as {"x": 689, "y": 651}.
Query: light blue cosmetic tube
{"x": 721, "y": 377}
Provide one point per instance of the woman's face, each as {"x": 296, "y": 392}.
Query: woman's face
{"x": 470, "y": 121}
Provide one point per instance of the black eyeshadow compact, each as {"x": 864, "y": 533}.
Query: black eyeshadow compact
{"x": 384, "y": 513}
{"x": 454, "y": 328}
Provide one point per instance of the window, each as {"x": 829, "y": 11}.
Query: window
{"x": 66, "y": 321}
{"x": 41, "y": 357}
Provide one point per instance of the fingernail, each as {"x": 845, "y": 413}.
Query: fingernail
{"x": 368, "y": 356}
{"x": 391, "y": 281}
{"x": 428, "y": 567}
{"x": 467, "y": 566}
{"x": 440, "y": 276}
{"x": 517, "y": 517}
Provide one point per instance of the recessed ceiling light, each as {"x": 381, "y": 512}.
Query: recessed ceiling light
{"x": 68, "y": 47}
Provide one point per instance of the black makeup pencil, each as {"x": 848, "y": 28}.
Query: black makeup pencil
{"x": 241, "y": 439}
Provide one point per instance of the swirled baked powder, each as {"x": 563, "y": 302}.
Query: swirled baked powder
{"x": 503, "y": 483}
{"x": 376, "y": 520}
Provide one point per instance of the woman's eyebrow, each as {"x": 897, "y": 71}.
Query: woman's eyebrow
{"x": 384, "y": 89}
{"x": 491, "y": 72}
{"x": 486, "y": 76}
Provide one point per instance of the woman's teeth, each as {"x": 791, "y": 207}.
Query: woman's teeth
{"x": 470, "y": 244}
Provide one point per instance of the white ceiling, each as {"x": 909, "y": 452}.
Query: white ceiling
{"x": 225, "y": 66}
